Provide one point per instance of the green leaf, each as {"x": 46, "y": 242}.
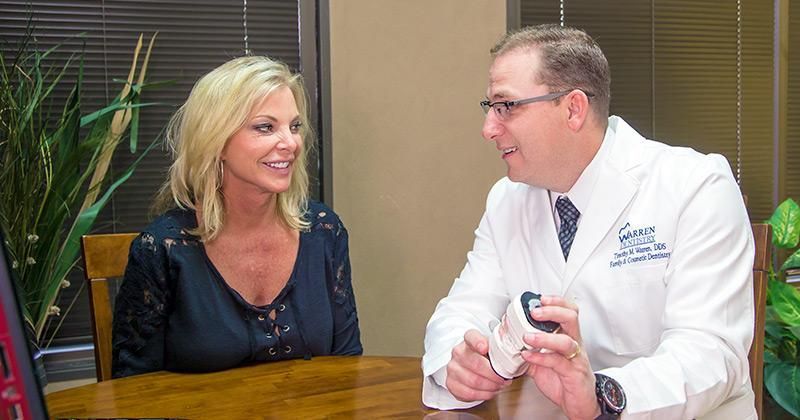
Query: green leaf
{"x": 770, "y": 358}
{"x": 48, "y": 153}
{"x": 785, "y": 300}
{"x": 783, "y": 383}
{"x": 80, "y": 227}
{"x": 785, "y": 223}
{"x": 114, "y": 107}
{"x": 134, "y": 137}
{"x": 774, "y": 330}
{"x": 792, "y": 262}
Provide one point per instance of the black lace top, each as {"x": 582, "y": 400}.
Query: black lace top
{"x": 175, "y": 312}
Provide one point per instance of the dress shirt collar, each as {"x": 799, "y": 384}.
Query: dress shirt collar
{"x": 581, "y": 192}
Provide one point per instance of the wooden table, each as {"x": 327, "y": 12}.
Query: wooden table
{"x": 324, "y": 387}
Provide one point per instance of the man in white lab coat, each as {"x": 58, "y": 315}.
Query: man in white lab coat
{"x": 643, "y": 253}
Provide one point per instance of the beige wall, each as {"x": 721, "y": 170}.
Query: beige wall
{"x": 410, "y": 169}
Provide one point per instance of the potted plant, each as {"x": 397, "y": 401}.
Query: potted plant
{"x": 54, "y": 169}
{"x": 782, "y": 331}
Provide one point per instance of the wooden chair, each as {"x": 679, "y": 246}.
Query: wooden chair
{"x": 762, "y": 233}
{"x": 104, "y": 257}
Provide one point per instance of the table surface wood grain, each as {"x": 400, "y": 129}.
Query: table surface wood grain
{"x": 325, "y": 387}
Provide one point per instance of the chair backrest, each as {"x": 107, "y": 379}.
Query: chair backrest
{"x": 104, "y": 257}
{"x": 762, "y": 233}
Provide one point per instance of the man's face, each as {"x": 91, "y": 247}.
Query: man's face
{"x": 530, "y": 136}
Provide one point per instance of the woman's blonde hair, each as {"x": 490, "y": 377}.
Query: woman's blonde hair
{"x": 218, "y": 106}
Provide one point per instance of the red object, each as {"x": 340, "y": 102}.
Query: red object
{"x": 21, "y": 396}
{"x": 13, "y": 404}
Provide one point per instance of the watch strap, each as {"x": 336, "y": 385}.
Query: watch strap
{"x": 608, "y": 412}
{"x": 606, "y": 416}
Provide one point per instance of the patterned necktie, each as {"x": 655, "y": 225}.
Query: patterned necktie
{"x": 569, "y": 223}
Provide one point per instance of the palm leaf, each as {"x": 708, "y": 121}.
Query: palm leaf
{"x": 69, "y": 252}
{"x": 53, "y": 166}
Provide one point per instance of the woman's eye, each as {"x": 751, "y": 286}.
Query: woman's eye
{"x": 296, "y": 127}
{"x": 264, "y": 128}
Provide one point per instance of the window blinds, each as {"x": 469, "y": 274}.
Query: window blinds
{"x": 694, "y": 73}
{"x": 194, "y": 36}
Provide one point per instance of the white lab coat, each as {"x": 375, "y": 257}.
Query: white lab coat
{"x": 661, "y": 269}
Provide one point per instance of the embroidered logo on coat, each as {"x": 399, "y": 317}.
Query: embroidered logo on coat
{"x": 629, "y": 237}
{"x": 638, "y": 244}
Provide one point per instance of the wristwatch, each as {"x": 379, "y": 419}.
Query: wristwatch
{"x": 610, "y": 397}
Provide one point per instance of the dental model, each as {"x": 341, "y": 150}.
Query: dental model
{"x": 506, "y": 344}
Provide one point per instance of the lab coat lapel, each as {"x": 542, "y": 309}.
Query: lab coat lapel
{"x": 613, "y": 192}
{"x": 543, "y": 229}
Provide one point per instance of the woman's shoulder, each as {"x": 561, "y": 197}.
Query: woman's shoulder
{"x": 172, "y": 224}
{"x": 322, "y": 217}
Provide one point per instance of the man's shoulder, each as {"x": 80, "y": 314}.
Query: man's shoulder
{"x": 684, "y": 160}
{"x": 632, "y": 151}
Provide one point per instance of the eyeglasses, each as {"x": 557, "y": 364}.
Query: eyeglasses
{"x": 503, "y": 108}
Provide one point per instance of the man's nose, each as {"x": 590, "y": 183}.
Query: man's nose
{"x": 492, "y": 127}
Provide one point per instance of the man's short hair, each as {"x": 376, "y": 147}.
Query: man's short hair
{"x": 570, "y": 59}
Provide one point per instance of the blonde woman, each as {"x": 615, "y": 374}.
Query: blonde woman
{"x": 241, "y": 267}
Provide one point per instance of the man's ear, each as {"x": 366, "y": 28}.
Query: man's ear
{"x": 577, "y": 109}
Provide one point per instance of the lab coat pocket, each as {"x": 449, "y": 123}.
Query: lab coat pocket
{"x": 636, "y": 315}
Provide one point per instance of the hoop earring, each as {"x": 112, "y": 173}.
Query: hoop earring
{"x": 221, "y": 175}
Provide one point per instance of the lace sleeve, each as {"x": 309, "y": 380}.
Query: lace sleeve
{"x": 141, "y": 309}
{"x": 346, "y": 333}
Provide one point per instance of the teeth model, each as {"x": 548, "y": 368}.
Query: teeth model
{"x": 505, "y": 343}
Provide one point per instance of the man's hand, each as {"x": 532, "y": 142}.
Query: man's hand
{"x": 562, "y": 373}
{"x": 470, "y": 377}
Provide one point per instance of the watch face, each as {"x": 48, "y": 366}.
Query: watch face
{"x": 613, "y": 395}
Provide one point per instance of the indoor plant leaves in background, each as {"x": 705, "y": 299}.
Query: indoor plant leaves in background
{"x": 782, "y": 331}
{"x": 54, "y": 168}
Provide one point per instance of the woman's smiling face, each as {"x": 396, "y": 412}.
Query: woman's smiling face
{"x": 260, "y": 156}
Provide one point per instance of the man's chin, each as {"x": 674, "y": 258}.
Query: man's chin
{"x": 517, "y": 177}
{"x": 526, "y": 180}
